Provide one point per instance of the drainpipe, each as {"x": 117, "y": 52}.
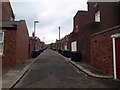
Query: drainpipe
{"x": 114, "y": 36}
{"x": 114, "y": 58}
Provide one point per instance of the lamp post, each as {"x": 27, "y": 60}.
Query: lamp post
{"x": 59, "y": 33}
{"x": 35, "y": 26}
{"x": 59, "y": 38}
{"x": 34, "y": 33}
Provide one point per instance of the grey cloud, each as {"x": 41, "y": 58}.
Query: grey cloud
{"x": 50, "y": 15}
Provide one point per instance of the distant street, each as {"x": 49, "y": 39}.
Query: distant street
{"x": 52, "y": 71}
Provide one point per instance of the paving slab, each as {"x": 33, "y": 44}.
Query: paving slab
{"x": 10, "y": 75}
{"x": 89, "y": 70}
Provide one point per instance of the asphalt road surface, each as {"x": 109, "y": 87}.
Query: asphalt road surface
{"x": 51, "y": 70}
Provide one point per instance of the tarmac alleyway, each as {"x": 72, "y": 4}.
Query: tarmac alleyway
{"x": 51, "y": 70}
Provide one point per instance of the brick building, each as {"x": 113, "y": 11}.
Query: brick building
{"x": 14, "y": 38}
{"x": 66, "y": 45}
{"x": 58, "y": 44}
{"x": 108, "y": 19}
{"x": 6, "y": 11}
{"x": 53, "y": 46}
{"x": 83, "y": 21}
{"x": 15, "y": 47}
{"x": 92, "y": 33}
{"x": 63, "y": 44}
{"x": 34, "y": 44}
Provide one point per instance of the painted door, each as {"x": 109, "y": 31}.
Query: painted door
{"x": 117, "y": 41}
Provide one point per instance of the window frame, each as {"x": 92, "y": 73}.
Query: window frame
{"x": 2, "y": 42}
{"x": 74, "y": 46}
{"x": 98, "y": 16}
{"x": 76, "y": 28}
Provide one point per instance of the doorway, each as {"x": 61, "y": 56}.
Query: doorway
{"x": 116, "y": 55}
{"x": 117, "y": 49}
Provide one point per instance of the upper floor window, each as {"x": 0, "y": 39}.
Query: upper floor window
{"x": 11, "y": 19}
{"x": 74, "y": 46}
{"x": 1, "y": 42}
{"x": 76, "y": 28}
{"x": 97, "y": 16}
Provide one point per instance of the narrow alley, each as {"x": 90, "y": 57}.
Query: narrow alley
{"x": 51, "y": 70}
{"x": 59, "y": 44}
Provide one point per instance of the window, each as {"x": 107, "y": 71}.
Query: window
{"x": 74, "y": 46}
{"x": 76, "y": 28}
{"x": 1, "y": 42}
{"x": 11, "y": 18}
{"x": 65, "y": 47}
{"x": 97, "y": 16}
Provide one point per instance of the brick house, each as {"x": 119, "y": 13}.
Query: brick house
{"x": 73, "y": 41}
{"x": 83, "y": 20}
{"x": 101, "y": 41}
{"x": 52, "y": 46}
{"x": 92, "y": 32}
{"x": 34, "y": 44}
{"x": 59, "y": 44}
{"x": 15, "y": 47}
{"x": 66, "y": 45}
{"x": 63, "y": 44}
{"x": 14, "y": 38}
{"x": 6, "y": 12}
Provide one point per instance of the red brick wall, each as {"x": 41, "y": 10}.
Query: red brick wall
{"x": 16, "y": 41}
{"x": 22, "y": 42}
{"x": 34, "y": 44}
{"x": 38, "y": 45}
{"x": 73, "y": 37}
{"x": 84, "y": 44}
{"x": 84, "y": 20}
{"x": 9, "y": 54}
{"x": 88, "y": 26}
{"x": 31, "y": 47}
{"x": 6, "y": 11}
{"x": 101, "y": 51}
{"x": 109, "y": 14}
{"x": 66, "y": 42}
{"x": 16, "y": 44}
{"x": 101, "y": 45}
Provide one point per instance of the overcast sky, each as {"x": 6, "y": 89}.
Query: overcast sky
{"x": 50, "y": 13}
